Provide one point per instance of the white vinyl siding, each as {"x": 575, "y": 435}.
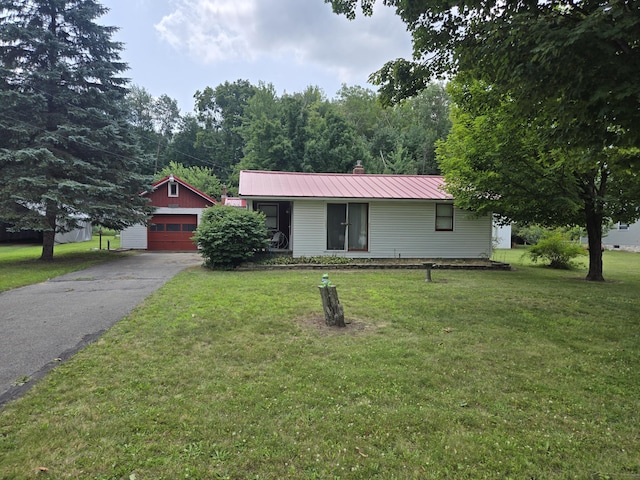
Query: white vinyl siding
{"x": 309, "y": 231}
{"x": 501, "y": 236}
{"x": 623, "y": 237}
{"x": 404, "y": 229}
{"x": 407, "y": 230}
{"x": 134, "y": 237}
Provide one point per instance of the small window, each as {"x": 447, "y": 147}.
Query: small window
{"x": 173, "y": 227}
{"x": 189, "y": 227}
{"x": 270, "y": 211}
{"x": 156, "y": 227}
{"x": 623, "y": 226}
{"x": 173, "y": 189}
{"x": 444, "y": 217}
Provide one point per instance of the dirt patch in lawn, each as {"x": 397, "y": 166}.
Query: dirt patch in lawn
{"x": 353, "y": 326}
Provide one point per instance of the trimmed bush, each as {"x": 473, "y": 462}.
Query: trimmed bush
{"x": 555, "y": 248}
{"x": 229, "y": 236}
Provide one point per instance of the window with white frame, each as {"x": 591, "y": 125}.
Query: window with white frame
{"x": 173, "y": 189}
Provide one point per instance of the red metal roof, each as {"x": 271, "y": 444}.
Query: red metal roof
{"x": 255, "y": 183}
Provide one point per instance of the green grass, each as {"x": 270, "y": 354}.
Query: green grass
{"x": 21, "y": 264}
{"x": 526, "y": 374}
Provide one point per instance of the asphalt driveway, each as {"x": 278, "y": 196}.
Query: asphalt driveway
{"x": 44, "y": 324}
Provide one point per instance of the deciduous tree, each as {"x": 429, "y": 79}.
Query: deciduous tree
{"x": 155, "y": 121}
{"x": 497, "y": 160}
{"x": 201, "y": 178}
{"x": 221, "y": 113}
{"x": 568, "y": 70}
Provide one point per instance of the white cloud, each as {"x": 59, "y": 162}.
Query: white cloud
{"x": 210, "y": 30}
{"x": 305, "y": 32}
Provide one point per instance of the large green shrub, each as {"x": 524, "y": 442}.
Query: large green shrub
{"x": 229, "y": 236}
{"x": 556, "y": 248}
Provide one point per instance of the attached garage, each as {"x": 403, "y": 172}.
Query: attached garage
{"x": 172, "y": 232}
{"x": 179, "y": 207}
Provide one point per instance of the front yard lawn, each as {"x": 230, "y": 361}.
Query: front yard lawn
{"x": 21, "y": 265}
{"x": 529, "y": 374}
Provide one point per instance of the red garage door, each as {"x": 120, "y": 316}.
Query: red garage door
{"x": 172, "y": 232}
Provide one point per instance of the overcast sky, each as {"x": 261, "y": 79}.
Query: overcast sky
{"x": 176, "y": 47}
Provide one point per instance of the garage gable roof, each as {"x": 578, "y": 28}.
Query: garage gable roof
{"x": 255, "y": 183}
{"x": 173, "y": 178}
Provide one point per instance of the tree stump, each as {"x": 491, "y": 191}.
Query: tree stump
{"x": 333, "y": 311}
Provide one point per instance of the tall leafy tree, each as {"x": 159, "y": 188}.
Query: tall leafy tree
{"x": 568, "y": 67}
{"x": 300, "y": 132}
{"x": 155, "y": 120}
{"x": 267, "y": 142}
{"x": 201, "y": 178}
{"x": 401, "y": 138}
{"x": 421, "y": 121}
{"x": 332, "y": 144}
{"x": 185, "y": 148}
{"x": 140, "y": 104}
{"x": 361, "y": 108}
{"x": 67, "y": 151}
{"x": 584, "y": 51}
{"x": 497, "y": 160}
{"x": 221, "y": 112}
{"x": 166, "y": 115}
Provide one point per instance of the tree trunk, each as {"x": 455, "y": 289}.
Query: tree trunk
{"x": 333, "y": 311}
{"x": 594, "y": 234}
{"x": 49, "y": 235}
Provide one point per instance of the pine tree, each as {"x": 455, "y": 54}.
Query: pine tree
{"x": 67, "y": 152}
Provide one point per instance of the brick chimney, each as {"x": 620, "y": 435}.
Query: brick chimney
{"x": 359, "y": 169}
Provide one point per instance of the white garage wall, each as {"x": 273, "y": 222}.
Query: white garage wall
{"x": 134, "y": 237}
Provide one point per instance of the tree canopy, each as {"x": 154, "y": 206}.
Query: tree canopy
{"x": 67, "y": 152}
{"x": 237, "y": 125}
{"x": 557, "y": 109}
{"x": 201, "y": 178}
{"x": 498, "y": 161}
{"x": 154, "y": 120}
{"x": 585, "y": 52}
